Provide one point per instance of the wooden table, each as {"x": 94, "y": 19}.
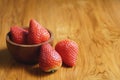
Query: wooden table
{"x": 93, "y": 24}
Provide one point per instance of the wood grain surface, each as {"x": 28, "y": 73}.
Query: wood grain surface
{"x": 93, "y": 24}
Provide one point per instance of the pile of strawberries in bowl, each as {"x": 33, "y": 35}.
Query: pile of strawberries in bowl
{"x": 34, "y": 45}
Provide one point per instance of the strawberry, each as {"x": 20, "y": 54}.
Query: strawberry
{"x": 37, "y": 33}
{"x": 18, "y": 35}
{"x": 49, "y": 59}
{"x": 68, "y": 50}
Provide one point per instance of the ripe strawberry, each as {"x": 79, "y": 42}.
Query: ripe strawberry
{"x": 18, "y": 35}
{"x": 49, "y": 59}
{"x": 37, "y": 33}
{"x": 68, "y": 50}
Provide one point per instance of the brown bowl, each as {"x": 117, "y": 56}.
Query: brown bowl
{"x": 27, "y": 54}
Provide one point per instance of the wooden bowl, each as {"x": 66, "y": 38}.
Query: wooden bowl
{"x": 27, "y": 54}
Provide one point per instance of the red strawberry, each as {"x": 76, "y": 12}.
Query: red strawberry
{"x": 18, "y": 35}
{"x": 49, "y": 59}
{"x": 37, "y": 33}
{"x": 68, "y": 50}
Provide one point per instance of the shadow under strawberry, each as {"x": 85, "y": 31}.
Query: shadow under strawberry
{"x": 35, "y": 70}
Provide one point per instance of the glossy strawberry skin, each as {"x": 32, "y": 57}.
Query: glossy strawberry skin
{"x": 18, "y": 35}
{"x": 49, "y": 59}
{"x": 37, "y": 33}
{"x": 68, "y": 50}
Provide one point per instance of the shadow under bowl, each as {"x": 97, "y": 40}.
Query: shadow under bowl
{"x": 27, "y": 54}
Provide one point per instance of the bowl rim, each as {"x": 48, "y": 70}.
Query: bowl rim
{"x": 29, "y": 45}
